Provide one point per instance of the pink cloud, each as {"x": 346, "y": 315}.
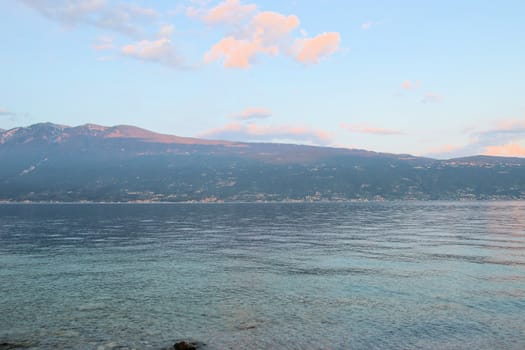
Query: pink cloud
{"x": 251, "y": 33}
{"x": 253, "y": 113}
{"x": 266, "y": 31}
{"x": 409, "y": 85}
{"x": 255, "y": 33}
{"x": 238, "y": 53}
{"x": 511, "y": 124}
{"x": 229, "y": 12}
{"x": 508, "y": 150}
{"x": 368, "y": 129}
{"x": 272, "y": 26}
{"x": 503, "y": 132}
{"x": 505, "y": 138}
{"x": 159, "y": 51}
{"x": 262, "y": 133}
{"x": 311, "y": 50}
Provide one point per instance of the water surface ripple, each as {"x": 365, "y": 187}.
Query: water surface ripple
{"x": 399, "y": 275}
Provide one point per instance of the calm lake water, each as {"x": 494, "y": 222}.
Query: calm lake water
{"x": 399, "y": 275}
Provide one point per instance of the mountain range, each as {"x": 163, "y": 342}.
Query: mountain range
{"x": 49, "y": 162}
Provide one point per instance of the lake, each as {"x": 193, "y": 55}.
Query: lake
{"x": 379, "y": 275}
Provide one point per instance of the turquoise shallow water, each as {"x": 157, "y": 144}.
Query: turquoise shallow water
{"x": 400, "y": 275}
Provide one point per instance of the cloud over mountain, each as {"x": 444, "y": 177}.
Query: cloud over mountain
{"x": 368, "y": 129}
{"x": 252, "y": 113}
{"x": 263, "y": 133}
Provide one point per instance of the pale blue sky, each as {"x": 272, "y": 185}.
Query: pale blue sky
{"x": 444, "y": 78}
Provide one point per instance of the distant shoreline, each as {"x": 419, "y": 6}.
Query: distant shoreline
{"x": 260, "y": 202}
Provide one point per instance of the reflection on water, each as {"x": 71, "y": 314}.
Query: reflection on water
{"x": 401, "y": 275}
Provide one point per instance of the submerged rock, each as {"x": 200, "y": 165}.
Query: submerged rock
{"x": 15, "y": 345}
{"x": 187, "y": 345}
{"x": 246, "y": 326}
{"x": 113, "y": 346}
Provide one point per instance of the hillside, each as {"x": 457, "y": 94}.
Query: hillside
{"x": 48, "y": 162}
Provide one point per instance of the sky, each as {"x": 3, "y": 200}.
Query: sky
{"x": 429, "y": 78}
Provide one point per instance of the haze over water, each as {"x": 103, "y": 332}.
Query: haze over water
{"x": 398, "y": 275}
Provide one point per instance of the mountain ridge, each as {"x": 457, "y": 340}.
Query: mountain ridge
{"x": 123, "y": 163}
{"x": 134, "y": 132}
{"x": 122, "y": 131}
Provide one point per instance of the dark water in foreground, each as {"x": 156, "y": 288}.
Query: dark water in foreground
{"x": 402, "y": 275}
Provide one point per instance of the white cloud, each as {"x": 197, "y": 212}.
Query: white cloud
{"x": 253, "y": 113}
{"x": 369, "y": 24}
{"x": 103, "y": 43}
{"x": 11, "y": 115}
{"x": 127, "y": 19}
{"x": 262, "y": 133}
{"x": 369, "y": 129}
{"x": 166, "y": 31}
{"x": 5, "y": 112}
{"x": 158, "y": 51}
{"x": 431, "y": 97}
